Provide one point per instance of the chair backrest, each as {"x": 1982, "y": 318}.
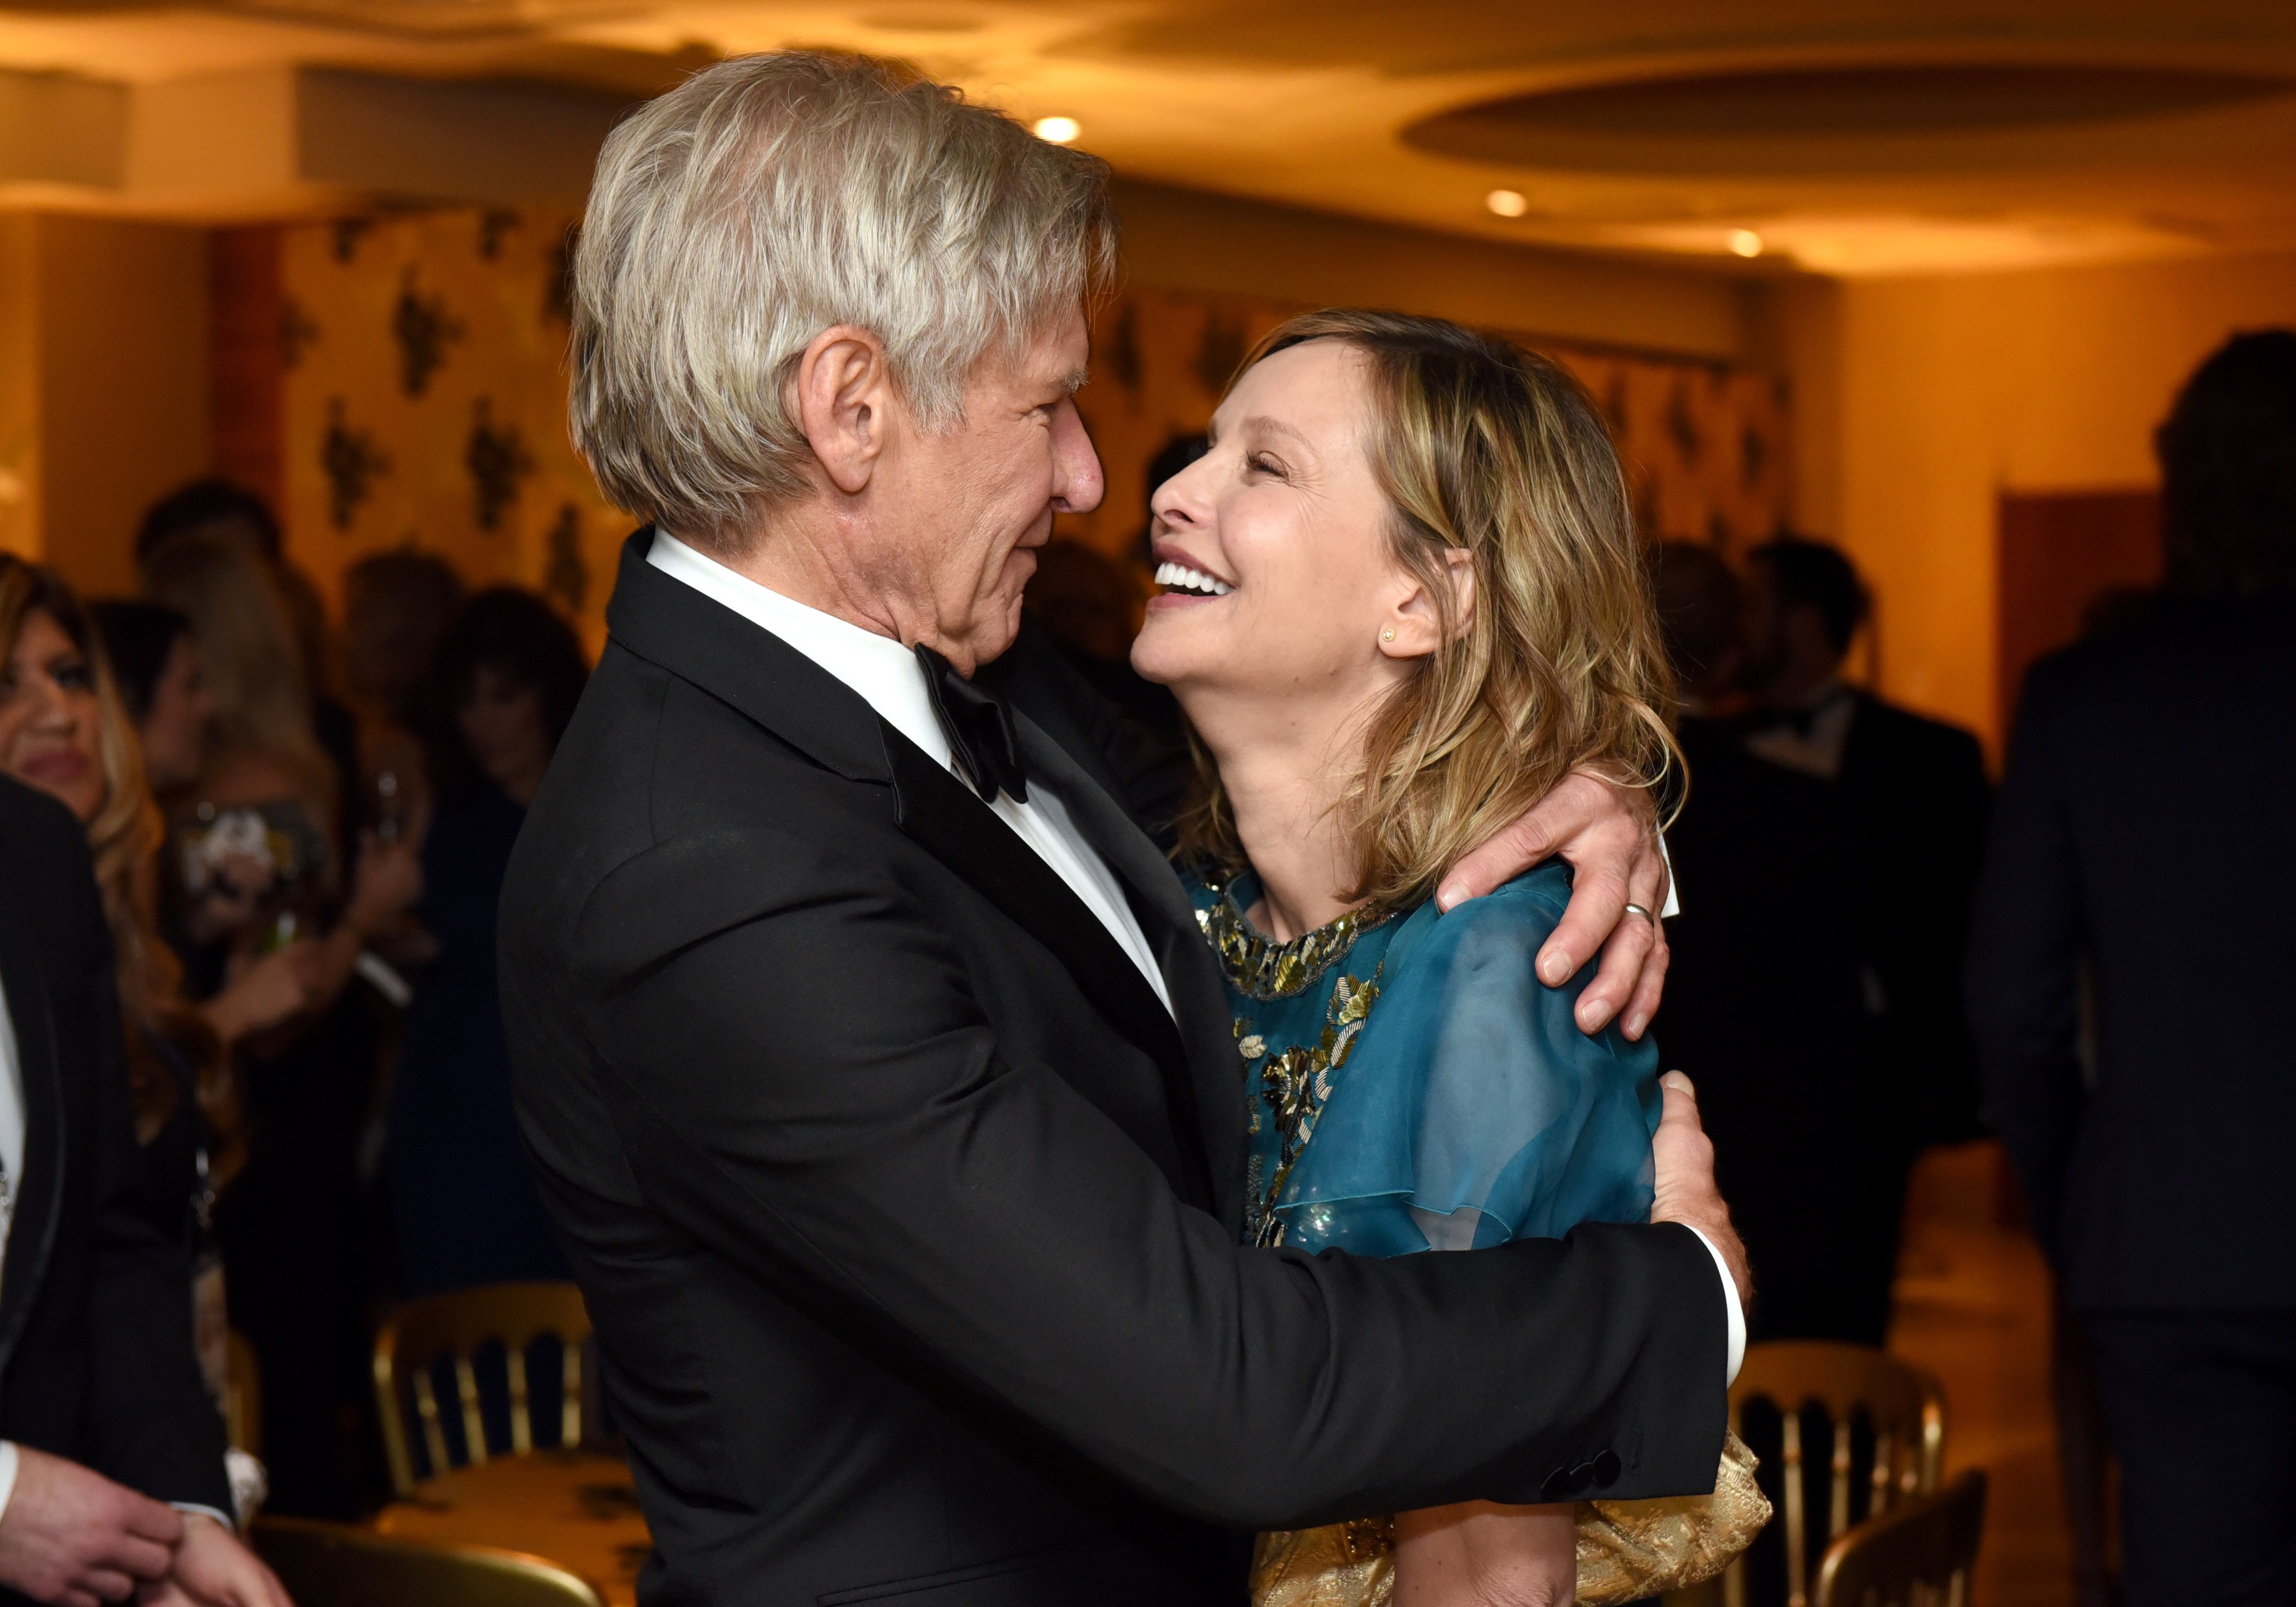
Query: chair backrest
{"x": 419, "y": 1333}
{"x": 341, "y": 1565}
{"x": 242, "y": 1407}
{"x": 1917, "y": 1555}
{"x": 1903, "y": 1404}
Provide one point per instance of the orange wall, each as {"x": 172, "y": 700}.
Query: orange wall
{"x": 1919, "y": 401}
{"x": 121, "y": 367}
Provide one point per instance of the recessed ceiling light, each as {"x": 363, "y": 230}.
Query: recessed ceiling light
{"x": 1058, "y": 130}
{"x": 1745, "y": 243}
{"x": 1508, "y": 203}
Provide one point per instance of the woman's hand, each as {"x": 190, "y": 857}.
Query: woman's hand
{"x": 1479, "y": 1554}
{"x": 388, "y": 884}
{"x": 271, "y": 990}
{"x": 1609, "y": 834}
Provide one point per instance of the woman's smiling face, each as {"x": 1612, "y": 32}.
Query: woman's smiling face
{"x": 48, "y": 716}
{"x": 1273, "y": 548}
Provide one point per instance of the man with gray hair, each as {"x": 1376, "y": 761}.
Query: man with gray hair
{"x": 877, "y": 1076}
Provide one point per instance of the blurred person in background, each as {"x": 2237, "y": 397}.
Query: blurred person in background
{"x": 461, "y": 1193}
{"x": 218, "y": 510}
{"x": 255, "y": 869}
{"x": 395, "y": 607}
{"x": 1763, "y": 1000}
{"x": 155, "y": 661}
{"x": 2157, "y": 1180}
{"x": 105, "y": 1393}
{"x": 1911, "y": 796}
{"x": 67, "y": 732}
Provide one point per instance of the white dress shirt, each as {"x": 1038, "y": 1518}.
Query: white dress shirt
{"x": 891, "y": 681}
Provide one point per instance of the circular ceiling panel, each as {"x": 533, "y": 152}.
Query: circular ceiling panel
{"x": 1827, "y": 117}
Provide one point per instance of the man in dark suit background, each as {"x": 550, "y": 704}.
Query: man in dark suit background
{"x": 2158, "y": 1183}
{"x": 1764, "y": 1000}
{"x": 1909, "y": 796}
{"x": 876, "y": 1073}
{"x": 111, "y": 1451}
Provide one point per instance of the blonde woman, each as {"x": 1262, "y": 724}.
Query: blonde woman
{"x": 64, "y": 730}
{"x": 1402, "y": 599}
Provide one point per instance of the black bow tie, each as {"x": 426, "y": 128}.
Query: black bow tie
{"x": 978, "y": 727}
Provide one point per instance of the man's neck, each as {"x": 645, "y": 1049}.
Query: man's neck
{"x": 797, "y": 555}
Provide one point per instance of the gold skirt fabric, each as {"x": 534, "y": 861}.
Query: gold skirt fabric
{"x": 1626, "y": 1549}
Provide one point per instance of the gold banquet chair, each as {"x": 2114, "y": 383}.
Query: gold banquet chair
{"x": 454, "y": 1326}
{"x": 340, "y": 1565}
{"x": 1904, "y": 1405}
{"x": 1917, "y": 1555}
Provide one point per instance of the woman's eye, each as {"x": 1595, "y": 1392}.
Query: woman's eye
{"x": 1260, "y": 463}
{"x": 73, "y": 675}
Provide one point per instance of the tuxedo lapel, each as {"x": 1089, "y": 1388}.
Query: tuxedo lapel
{"x": 948, "y": 820}
{"x": 1191, "y": 975}
{"x": 37, "y": 1192}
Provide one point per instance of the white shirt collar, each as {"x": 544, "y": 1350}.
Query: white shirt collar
{"x": 886, "y": 674}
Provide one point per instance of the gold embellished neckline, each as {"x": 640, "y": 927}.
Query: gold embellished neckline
{"x": 1261, "y": 967}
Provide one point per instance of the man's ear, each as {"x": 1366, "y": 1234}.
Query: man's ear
{"x": 845, "y": 404}
{"x": 1414, "y": 626}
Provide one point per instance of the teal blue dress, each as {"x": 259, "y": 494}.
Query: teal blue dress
{"x": 1413, "y": 1085}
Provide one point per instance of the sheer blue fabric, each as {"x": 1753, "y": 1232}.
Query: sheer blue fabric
{"x": 1468, "y": 1109}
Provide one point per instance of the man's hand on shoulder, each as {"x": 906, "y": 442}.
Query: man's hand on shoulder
{"x": 1683, "y": 1156}
{"x": 213, "y": 1569}
{"x": 1609, "y": 836}
{"x": 71, "y": 1534}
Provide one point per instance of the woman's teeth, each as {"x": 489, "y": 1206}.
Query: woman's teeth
{"x": 1180, "y": 578}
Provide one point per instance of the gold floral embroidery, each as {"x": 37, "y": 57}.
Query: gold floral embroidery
{"x": 1264, "y": 968}
{"x": 1293, "y": 1085}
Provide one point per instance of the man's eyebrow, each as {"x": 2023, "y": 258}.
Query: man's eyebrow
{"x": 1076, "y": 380}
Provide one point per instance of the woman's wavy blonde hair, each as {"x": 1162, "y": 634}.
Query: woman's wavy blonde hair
{"x": 1556, "y": 667}
{"x": 124, "y": 838}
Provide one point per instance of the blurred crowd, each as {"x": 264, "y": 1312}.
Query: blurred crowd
{"x": 300, "y": 828}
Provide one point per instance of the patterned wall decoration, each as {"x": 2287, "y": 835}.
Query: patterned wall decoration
{"x": 422, "y": 400}
{"x": 1704, "y": 444}
{"x": 419, "y": 395}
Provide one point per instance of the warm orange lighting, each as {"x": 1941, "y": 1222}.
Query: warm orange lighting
{"x": 1508, "y": 203}
{"x": 1745, "y": 243}
{"x": 1058, "y": 130}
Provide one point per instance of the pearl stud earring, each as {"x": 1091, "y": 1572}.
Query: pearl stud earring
{"x": 1387, "y": 634}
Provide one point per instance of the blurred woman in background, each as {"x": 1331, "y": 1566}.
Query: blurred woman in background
{"x": 63, "y": 729}
{"x": 462, "y": 1195}
{"x": 255, "y": 869}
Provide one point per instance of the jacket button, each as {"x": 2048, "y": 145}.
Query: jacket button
{"x": 1606, "y": 1469}
{"x": 1558, "y": 1487}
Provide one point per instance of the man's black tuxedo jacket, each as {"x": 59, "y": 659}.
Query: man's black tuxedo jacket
{"x": 2142, "y": 832}
{"x": 907, "y": 1217}
{"x": 97, "y": 1361}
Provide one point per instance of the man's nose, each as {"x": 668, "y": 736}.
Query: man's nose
{"x": 1077, "y": 482}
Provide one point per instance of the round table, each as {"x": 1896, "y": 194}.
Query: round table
{"x": 578, "y": 1509}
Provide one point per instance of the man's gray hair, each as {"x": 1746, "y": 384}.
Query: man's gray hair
{"x": 771, "y": 198}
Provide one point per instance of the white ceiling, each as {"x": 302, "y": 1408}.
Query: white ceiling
{"x": 1307, "y": 102}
